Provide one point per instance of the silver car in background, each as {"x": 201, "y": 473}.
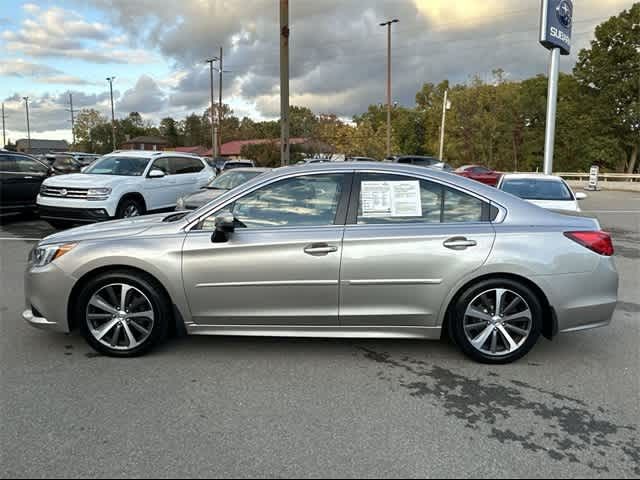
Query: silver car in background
{"x": 332, "y": 250}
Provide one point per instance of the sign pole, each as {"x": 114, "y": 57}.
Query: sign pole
{"x": 556, "y": 20}
{"x": 552, "y": 102}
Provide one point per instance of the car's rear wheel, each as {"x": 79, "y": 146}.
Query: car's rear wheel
{"x": 497, "y": 321}
{"x": 123, "y": 314}
{"x": 129, "y": 208}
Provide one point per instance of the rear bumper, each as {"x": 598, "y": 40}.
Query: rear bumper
{"x": 583, "y": 301}
{"x": 81, "y": 215}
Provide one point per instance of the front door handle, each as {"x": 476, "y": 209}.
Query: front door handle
{"x": 320, "y": 249}
{"x": 459, "y": 243}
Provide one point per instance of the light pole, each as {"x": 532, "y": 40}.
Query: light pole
{"x": 113, "y": 114}
{"x": 388, "y": 25}
{"x": 4, "y": 133}
{"x": 446, "y": 105}
{"x": 73, "y": 132}
{"x": 214, "y": 140}
{"x": 26, "y": 105}
{"x": 285, "y": 149}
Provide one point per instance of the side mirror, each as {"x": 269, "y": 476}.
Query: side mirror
{"x": 155, "y": 173}
{"x": 225, "y": 225}
{"x": 581, "y": 196}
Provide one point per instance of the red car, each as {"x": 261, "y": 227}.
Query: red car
{"x": 480, "y": 174}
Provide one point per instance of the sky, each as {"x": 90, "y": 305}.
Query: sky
{"x": 156, "y": 50}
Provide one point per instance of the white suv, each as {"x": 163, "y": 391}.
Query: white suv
{"x": 120, "y": 185}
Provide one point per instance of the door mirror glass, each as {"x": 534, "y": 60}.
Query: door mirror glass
{"x": 225, "y": 225}
{"x": 156, "y": 173}
{"x": 581, "y": 196}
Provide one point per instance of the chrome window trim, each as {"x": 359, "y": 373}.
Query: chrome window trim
{"x": 502, "y": 211}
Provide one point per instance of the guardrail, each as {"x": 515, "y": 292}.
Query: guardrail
{"x": 603, "y": 177}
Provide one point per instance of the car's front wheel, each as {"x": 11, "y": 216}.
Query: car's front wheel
{"x": 123, "y": 314}
{"x": 129, "y": 208}
{"x": 497, "y": 321}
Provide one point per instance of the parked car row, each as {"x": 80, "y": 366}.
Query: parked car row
{"x": 131, "y": 183}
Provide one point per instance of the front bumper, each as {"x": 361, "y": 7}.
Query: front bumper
{"x": 47, "y": 291}
{"x": 38, "y": 322}
{"x": 82, "y": 215}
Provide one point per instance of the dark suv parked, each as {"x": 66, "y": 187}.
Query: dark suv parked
{"x": 20, "y": 179}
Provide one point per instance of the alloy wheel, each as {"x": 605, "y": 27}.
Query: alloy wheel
{"x": 120, "y": 316}
{"x": 131, "y": 211}
{"x": 497, "y": 322}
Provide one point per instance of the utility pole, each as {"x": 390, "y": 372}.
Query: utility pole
{"x": 73, "y": 131}
{"x": 285, "y": 150}
{"x": 445, "y": 106}
{"x": 214, "y": 139}
{"x": 4, "y": 132}
{"x": 220, "y": 104}
{"x": 113, "y": 114}
{"x": 388, "y": 25}
{"x": 26, "y": 104}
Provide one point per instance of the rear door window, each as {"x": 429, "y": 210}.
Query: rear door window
{"x": 397, "y": 199}
{"x": 8, "y": 164}
{"x": 179, "y": 165}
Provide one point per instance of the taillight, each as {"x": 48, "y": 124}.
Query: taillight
{"x": 599, "y": 242}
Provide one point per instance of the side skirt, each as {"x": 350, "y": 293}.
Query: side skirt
{"x": 431, "y": 333}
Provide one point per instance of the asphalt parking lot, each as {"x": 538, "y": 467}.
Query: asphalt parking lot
{"x": 243, "y": 407}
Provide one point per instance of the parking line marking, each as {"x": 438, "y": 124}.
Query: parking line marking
{"x": 612, "y": 211}
{"x": 16, "y": 239}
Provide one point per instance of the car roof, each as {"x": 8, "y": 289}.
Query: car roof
{"x": 151, "y": 154}
{"x": 531, "y": 176}
{"x": 248, "y": 169}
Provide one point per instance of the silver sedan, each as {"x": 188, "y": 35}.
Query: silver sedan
{"x": 332, "y": 250}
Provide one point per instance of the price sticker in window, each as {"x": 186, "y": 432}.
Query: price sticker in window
{"x": 391, "y": 199}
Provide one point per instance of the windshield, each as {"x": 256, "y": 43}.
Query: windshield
{"x": 230, "y": 180}
{"x": 537, "y": 189}
{"x": 125, "y": 166}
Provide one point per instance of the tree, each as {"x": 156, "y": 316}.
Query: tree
{"x": 610, "y": 70}
{"x": 86, "y": 126}
{"x": 169, "y": 130}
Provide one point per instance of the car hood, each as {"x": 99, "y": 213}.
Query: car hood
{"x": 117, "y": 228}
{"x": 84, "y": 180}
{"x": 202, "y": 197}
{"x": 561, "y": 205}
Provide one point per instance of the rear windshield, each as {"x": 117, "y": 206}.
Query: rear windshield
{"x": 537, "y": 189}
{"x": 125, "y": 166}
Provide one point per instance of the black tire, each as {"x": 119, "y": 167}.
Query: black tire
{"x": 154, "y": 293}
{"x": 60, "y": 224}
{"x": 125, "y": 206}
{"x": 457, "y": 319}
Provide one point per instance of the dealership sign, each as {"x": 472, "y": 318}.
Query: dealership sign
{"x": 555, "y": 24}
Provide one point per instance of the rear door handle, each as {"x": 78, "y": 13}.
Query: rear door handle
{"x": 459, "y": 243}
{"x": 320, "y": 249}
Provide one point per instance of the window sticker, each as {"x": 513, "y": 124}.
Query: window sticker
{"x": 391, "y": 199}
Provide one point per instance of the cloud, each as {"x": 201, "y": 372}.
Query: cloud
{"x": 60, "y": 33}
{"x": 338, "y": 49}
{"x": 145, "y": 97}
{"x": 41, "y": 73}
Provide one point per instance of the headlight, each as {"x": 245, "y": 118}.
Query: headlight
{"x": 180, "y": 205}
{"x": 41, "y": 256}
{"x": 98, "y": 193}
